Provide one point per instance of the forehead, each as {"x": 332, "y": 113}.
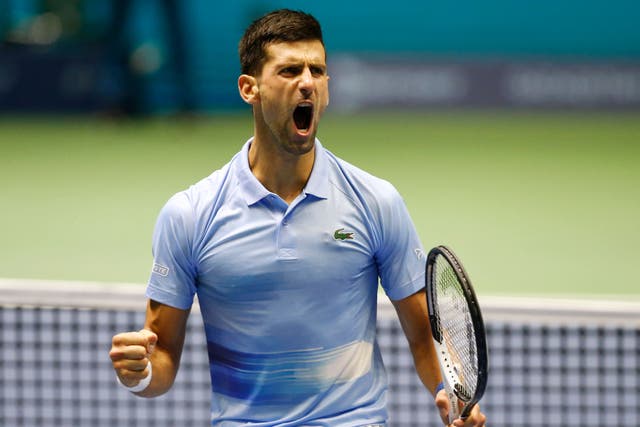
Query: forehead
{"x": 311, "y": 51}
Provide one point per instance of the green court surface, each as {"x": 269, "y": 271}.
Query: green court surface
{"x": 534, "y": 203}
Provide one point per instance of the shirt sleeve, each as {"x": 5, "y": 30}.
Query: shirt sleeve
{"x": 400, "y": 254}
{"x": 173, "y": 275}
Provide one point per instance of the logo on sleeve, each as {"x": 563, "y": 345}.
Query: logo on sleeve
{"x": 160, "y": 269}
{"x": 340, "y": 234}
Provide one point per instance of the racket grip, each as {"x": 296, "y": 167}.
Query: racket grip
{"x": 454, "y": 411}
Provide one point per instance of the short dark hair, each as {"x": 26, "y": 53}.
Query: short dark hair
{"x": 279, "y": 26}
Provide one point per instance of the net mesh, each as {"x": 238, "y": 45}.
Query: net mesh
{"x": 546, "y": 370}
{"x": 456, "y": 329}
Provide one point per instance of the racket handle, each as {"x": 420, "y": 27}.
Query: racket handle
{"x": 454, "y": 411}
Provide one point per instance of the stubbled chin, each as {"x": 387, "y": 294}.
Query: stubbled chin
{"x": 301, "y": 143}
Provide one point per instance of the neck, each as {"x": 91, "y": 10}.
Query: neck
{"x": 282, "y": 173}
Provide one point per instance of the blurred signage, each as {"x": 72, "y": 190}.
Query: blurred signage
{"x": 359, "y": 82}
{"x": 38, "y": 80}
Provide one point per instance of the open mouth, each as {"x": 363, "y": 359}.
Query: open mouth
{"x": 302, "y": 116}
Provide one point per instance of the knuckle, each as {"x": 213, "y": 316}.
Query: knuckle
{"x": 117, "y": 353}
{"x": 118, "y": 339}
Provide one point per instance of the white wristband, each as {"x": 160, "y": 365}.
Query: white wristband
{"x": 143, "y": 384}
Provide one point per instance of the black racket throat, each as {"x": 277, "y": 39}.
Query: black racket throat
{"x": 464, "y": 281}
{"x": 438, "y": 257}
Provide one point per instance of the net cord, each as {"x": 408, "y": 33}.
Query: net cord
{"x": 597, "y": 311}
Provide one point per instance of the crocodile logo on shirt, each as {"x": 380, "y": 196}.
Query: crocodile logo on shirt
{"x": 340, "y": 234}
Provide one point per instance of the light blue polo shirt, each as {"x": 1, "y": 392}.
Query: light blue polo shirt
{"x": 288, "y": 293}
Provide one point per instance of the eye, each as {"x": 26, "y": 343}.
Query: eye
{"x": 318, "y": 70}
{"x": 290, "y": 71}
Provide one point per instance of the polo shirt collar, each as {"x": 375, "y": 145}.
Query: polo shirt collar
{"x": 253, "y": 191}
{"x": 318, "y": 184}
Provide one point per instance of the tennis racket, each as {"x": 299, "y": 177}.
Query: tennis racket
{"x": 458, "y": 331}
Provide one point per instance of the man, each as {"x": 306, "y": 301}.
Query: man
{"x": 284, "y": 246}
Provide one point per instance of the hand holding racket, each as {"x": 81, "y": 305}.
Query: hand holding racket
{"x": 458, "y": 331}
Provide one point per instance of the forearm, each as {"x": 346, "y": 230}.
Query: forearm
{"x": 170, "y": 326}
{"x": 426, "y": 364}
{"x": 164, "y": 370}
{"x": 414, "y": 318}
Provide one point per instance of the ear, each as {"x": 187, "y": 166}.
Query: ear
{"x": 248, "y": 88}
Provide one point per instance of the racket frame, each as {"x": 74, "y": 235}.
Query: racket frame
{"x": 449, "y": 376}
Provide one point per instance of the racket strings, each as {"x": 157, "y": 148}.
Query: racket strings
{"x": 456, "y": 326}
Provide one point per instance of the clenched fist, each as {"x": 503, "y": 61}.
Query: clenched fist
{"x": 131, "y": 353}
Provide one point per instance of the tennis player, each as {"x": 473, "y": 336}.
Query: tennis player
{"x": 284, "y": 246}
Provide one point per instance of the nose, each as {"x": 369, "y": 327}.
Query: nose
{"x": 306, "y": 83}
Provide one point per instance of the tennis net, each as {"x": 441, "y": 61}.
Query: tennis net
{"x": 552, "y": 362}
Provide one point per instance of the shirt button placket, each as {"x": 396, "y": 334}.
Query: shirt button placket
{"x": 286, "y": 241}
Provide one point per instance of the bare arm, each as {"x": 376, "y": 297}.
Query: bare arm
{"x": 160, "y": 342}
{"x": 414, "y": 318}
{"x": 413, "y": 315}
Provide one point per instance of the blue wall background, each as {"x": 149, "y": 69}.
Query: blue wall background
{"x": 565, "y": 30}
{"x": 464, "y": 29}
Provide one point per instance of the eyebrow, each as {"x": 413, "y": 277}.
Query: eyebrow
{"x": 293, "y": 61}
